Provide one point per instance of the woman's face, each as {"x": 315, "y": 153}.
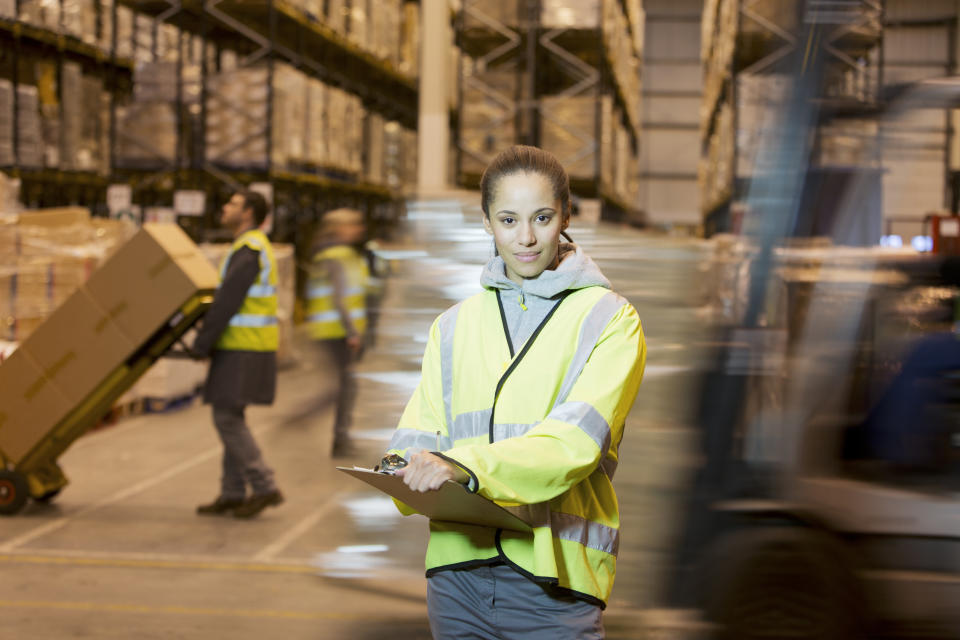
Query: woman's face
{"x": 525, "y": 221}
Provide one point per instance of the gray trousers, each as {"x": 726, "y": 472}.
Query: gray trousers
{"x": 242, "y": 461}
{"x": 339, "y": 354}
{"x": 498, "y": 603}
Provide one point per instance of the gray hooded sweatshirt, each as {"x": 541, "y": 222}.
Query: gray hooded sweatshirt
{"x": 524, "y": 307}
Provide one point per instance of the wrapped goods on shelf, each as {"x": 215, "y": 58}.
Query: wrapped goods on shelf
{"x": 849, "y": 142}
{"x": 289, "y": 114}
{"x": 168, "y": 42}
{"x": 155, "y": 82}
{"x": 143, "y": 38}
{"x": 49, "y": 104}
{"x": 74, "y": 112}
{"x": 562, "y": 14}
{"x": 103, "y": 117}
{"x": 336, "y": 116}
{"x": 237, "y": 107}
{"x": 393, "y": 155}
{"x": 29, "y": 129}
{"x": 568, "y": 130}
{"x": 104, "y": 38}
{"x": 638, "y": 24}
{"x": 387, "y": 30}
{"x": 6, "y": 123}
{"x": 80, "y": 20}
{"x": 8, "y": 9}
{"x": 81, "y": 141}
{"x": 124, "y": 26}
{"x": 608, "y": 115}
{"x": 358, "y": 23}
{"x": 486, "y": 118}
{"x": 146, "y": 133}
{"x": 410, "y": 39}
{"x": 41, "y": 13}
{"x": 760, "y": 101}
{"x": 374, "y": 144}
{"x": 353, "y": 128}
{"x": 621, "y": 57}
{"x": 316, "y": 122}
{"x": 409, "y": 158}
{"x": 336, "y": 17}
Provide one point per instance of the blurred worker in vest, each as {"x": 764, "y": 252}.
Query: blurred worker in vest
{"x": 240, "y": 336}
{"x": 336, "y": 308}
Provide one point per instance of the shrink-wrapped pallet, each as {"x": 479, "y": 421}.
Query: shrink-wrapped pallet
{"x": 486, "y": 118}
{"x": 568, "y": 130}
{"x": 358, "y": 23}
{"x": 80, "y": 20}
{"x": 374, "y": 169}
{"x": 29, "y": 129}
{"x": 316, "y": 122}
{"x": 41, "y": 13}
{"x": 410, "y": 39}
{"x": 6, "y": 123}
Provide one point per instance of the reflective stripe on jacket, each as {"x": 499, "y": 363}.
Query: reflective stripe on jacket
{"x": 254, "y": 326}
{"x": 323, "y": 316}
{"x": 538, "y": 427}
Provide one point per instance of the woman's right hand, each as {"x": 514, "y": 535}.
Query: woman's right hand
{"x": 427, "y": 472}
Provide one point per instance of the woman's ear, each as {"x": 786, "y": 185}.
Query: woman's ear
{"x": 486, "y": 224}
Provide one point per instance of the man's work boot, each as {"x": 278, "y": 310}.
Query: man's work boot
{"x": 219, "y": 506}
{"x": 253, "y": 505}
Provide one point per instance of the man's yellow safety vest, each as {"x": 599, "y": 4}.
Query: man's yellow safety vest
{"x": 323, "y": 317}
{"x": 537, "y": 426}
{"x": 254, "y": 326}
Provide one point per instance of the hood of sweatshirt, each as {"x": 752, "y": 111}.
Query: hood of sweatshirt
{"x": 526, "y": 305}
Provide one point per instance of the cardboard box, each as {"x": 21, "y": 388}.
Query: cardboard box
{"x": 144, "y": 283}
{"x": 100, "y": 326}
{"x": 31, "y": 405}
{"x": 78, "y": 346}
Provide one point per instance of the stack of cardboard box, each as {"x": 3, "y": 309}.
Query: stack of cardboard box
{"x": 85, "y": 348}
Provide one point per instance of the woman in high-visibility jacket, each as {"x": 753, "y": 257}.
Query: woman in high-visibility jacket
{"x": 523, "y": 397}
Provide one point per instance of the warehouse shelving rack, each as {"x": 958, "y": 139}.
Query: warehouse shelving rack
{"x": 525, "y": 71}
{"x": 22, "y": 43}
{"x": 265, "y": 31}
{"x": 753, "y": 38}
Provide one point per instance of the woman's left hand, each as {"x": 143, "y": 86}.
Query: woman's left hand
{"x": 427, "y": 472}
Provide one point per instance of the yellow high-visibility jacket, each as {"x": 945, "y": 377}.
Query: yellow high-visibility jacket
{"x": 323, "y": 317}
{"x": 254, "y": 326}
{"x": 537, "y": 430}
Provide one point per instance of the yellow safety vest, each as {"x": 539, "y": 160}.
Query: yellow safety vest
{"x": 254, "y": 326}
{"x": 323, "y": 317}
{"x": 537, "y": 426}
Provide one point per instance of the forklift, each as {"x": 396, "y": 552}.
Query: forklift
{"x": 834, "y": 514}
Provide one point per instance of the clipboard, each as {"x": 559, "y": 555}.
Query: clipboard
{"x": 450, "y": 503}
